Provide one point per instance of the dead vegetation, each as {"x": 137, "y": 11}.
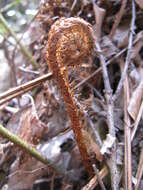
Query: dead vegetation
{"x": 78, "y": 120}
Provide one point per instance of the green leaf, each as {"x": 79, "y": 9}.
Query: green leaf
{"x": 3, "y": 30}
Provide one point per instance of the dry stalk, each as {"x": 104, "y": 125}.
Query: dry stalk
{"x": 21, "y": 89}
{"x": 127, "y": 136}
{"x": 99, "y": 178}
{"x": 110, "y": 119}
{"x": 139, "y": 171}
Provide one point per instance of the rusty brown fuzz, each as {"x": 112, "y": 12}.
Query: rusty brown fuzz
{"x": 70, "y": 43}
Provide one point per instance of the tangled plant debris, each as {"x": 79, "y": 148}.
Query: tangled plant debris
{"x": 75, "y": 123}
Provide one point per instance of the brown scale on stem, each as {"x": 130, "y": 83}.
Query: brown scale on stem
{"x": 70, "y": 43}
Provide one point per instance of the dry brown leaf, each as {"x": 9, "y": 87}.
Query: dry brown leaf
{"x": 14, "y": 123}
{"x": 23, "y": 175}
{"x": 140, "y": 3}
{"x": 52, "y": 115}
{"x": 99, "y": 15}
{"x": 31, "y": 129}
{"x": 135, "y": 101}
{"x": 121, "y": 35}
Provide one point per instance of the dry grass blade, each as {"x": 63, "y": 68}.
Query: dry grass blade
{"x": 139, "y": 171}
{"x": 137, "y": 121}
{"x": 135, "y": 102}
{"x": 127, "y": 137}
{"x": 19, "y": 90}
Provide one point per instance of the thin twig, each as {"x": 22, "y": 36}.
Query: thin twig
{"x": 26, "y": 53}
{"x": 99, "y": 178}
{"x": 23, "y": 32}
{"x": 30, "y": 150}
{"x": 99, "y": 69}
{"x": 7, "y": 56}
{"x": 11, "y": 63}
{"x": 128, "y": 57}
{"x": 104, "y": 69}
{"x": 19, "y": 90}
{"x": 110, "y": 119}
{"x": 93, "y": 182}
{"x": 28, "y": 71}
{"x": 52, "y": 181}
{"x": 73, "y": 5}
{"x": 26, "y": 85}
{"x": 118, "y": 18}
{"x": 10, "y": 97}
{"x": 24, "y": 172}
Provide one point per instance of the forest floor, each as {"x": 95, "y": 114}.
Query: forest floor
{"x": 71, "y": 95}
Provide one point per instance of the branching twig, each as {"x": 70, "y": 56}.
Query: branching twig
{"x": 100, "y": 69}
{"x": 26, "y": 53}
{"x": 128, "y": 57}
{"x": 93, "y": 182}
{"x": 110, "y": 119}
{"x": 99, "y": 178}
